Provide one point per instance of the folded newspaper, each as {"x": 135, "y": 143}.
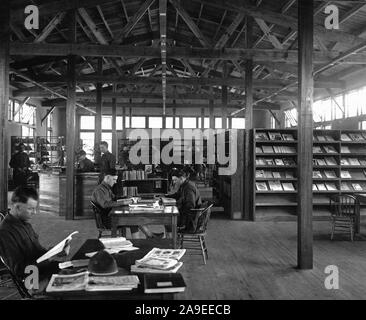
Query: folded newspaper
{"x": 83, "y": 282}
{"x": 58, "y": 248}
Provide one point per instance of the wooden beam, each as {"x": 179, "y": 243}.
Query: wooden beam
{"x": 133, "y": 21}
{"x": 305, "y": 135}
{"x": 71, "y": 124}
{"x": 98, "y": 116}
{"x": 4, "y": 100}
{"x": 191, "y": 24}
{"x": 224, "y": 99}
{"x": 92, "y": 50}
{"x": 47, "y": 114}
{"x": 50, "y": 27}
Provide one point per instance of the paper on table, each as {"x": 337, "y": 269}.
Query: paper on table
{"x": 73, "y": 263}
{"x": 112, "y": 251}
{"x": 58, "y": 248}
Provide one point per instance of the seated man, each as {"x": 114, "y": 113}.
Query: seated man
{"x": 105, "y": 198}
{"x": 19, "y": 245}
{"x": 85, "y": 165}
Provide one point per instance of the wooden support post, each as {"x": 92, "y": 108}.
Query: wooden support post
{"x": 248, "y": 174}
{"x": 211, "y": 113}
{"x": 71, "y": 124}
{"x": 4, "y": 100}
{"x": 305, "y": 135}
{"x": 114, "y": 130}
{"x": 98, "y": 116}
{"x": 224, "y": 98}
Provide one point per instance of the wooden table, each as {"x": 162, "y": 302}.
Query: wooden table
{"x": 124, "y": 261}
{"x": 123, "y": 216}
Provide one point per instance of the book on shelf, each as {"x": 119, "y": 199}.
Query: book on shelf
{"x": 289, "y": 174}
{"x": 269, "y": 162}
{"x": 275, "y": 186}
{"x": 362, "y": 162}
{"x": 330, "y": 174}
{"x": 321, "y": 138}
{"x": 164, "y": 283}
{"x": 364, "y": 172}
{"x": 344, "y": 162}
{"x": 315, "y": 188}
{"x": 261, "y": 186}
{"x": 345, "y": 174}
{"x": 275, "y": 136}
{"x": 315, "y": 137}
{"x": 345, "y": 186}
{"x": 288, "y": 137}
{"x": 330, "y": 161}
{"x": 260, "y": 162}
{"x": 276, "y": 174}
{"x": 287, "y": 149}
{"x": 267, "y": 149}
{"x": 354, "y": 162}
{"x": 289, "y": 162}
{"x": 356, "y": 187}
{"x": 330, "y": 149}
{"x": 329, "y": 138}
{"x": 268, "y": 174}
{"x": 277, "y": 149}
{"x": 321, "y": 187}
{"x": 320, "y": 162}
{"x": 279, "y": 162}
{"x": 261, "y": 136}
{"x": 288, "y": 186}
{"x": 258, "y": 150}
{"x": 317, "y": 149}
{"x": 356, "y": 136}
{"x": 331, "y": 186}
{"x": 259, "y": 174}
{"x": 345, "y": 137}
{"x": 345, "y": 149}
{"x": 317, "y": 175}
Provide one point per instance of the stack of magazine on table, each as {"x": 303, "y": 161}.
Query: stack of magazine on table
{"x": 114, "y": 245}
{"x": 82, "y": 281}
{"x": 159, "y": 261}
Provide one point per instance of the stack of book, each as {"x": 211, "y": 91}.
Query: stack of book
{"x": 274, "y": 136}
{"x": 133, "y": 175}
{"x": 275, "y": 186}
{"x": 159, "y": 261}
{"x": 129, "y": 191}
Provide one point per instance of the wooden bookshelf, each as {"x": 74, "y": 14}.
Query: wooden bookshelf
{"x": 339, "y": 168}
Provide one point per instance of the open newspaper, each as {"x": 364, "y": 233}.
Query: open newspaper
{"x": 58, "y": 248}
{"x": 83, "y": 282}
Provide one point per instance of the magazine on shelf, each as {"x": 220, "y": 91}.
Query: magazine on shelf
{"x": 345, "y": 137}
{"x": 317, "y": 175}
{"x": 276, "y": 174}
{"x": 321, "y": 187}
{"x": 279, "y": 162}
{"x": 289, "y": 174}
{"x": 354, "y": 162}
{"x": 330, "y": 149}
{"x": 362, "y": 162}
{"x": 277, "y": 149}
{"x": 260, "y": 162}
{"x": 320, "y": 162}
{"x": 344, "y": 162}
{"x": 288, "y": 137}
{"x": 267, "y": 149}
{"x": 345, "y": 174}
{"x": 330, "y": 174}
{"x": 345, "y": 186}
{"x": 275, "y": 136}
{"x": 356, "y": 187}
{"x": 58, "y": 248}
{"x": 329, "y": 138}
{"x": 321, "y": 138}
{"x": 275, "y": 186}
{"x": 258, "y": 150}
{"x": 259, "y": 174}
{"x": 269, "y": 162}
{"x": 330, "y": 161}
{"x": 268, "y": 174}
{"x": 345, "y": 149}
{"x": 289, "y": 162}
{"x": 331, "y": 186}
{"x": 288, "y": 186}
{"x": 261, "y": 186}
{"x": 261, "y": 136}
{"x": 317, "y": 149}
{"x": 356, "y": 136}
{"x": 315, "y": 187}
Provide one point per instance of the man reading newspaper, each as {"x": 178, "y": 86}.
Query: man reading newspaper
{"x": 19, "y": 244}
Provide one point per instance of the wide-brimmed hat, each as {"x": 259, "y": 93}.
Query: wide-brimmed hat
{"x": 102, "y": 263}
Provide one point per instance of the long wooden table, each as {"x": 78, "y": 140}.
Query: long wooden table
{"x": 124, "y": 261}
{"x": 124, "y": 217}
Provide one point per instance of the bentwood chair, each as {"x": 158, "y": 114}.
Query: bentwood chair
{"x": 345, "y": 210}
{"x": 196, "y": 240}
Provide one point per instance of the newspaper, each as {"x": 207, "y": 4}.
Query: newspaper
{"x": 141, "y": 269}
{"x": 73, "y": 282}
{"x": 74, "y": 263}
{"x": 58, "y": 248}
{"x": 176, "y": 254}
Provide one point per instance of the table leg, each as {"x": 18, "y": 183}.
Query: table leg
{"x": 174, "y": 231}
{"x": 114, "y": 227}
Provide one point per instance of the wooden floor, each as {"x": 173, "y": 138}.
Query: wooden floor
{"x": 250, "y": 260}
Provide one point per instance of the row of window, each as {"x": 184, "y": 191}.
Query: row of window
{"x": 350, "y": 104}
{"x": 88, "y": 122}
{"x": 23, "y": 114}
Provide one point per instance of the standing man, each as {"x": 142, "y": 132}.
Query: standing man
{"x": 107, "y": 161}
{"x": 85, "y": 165}
{"x": 20, "y": 164}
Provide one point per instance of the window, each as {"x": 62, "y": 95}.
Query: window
{"x": 218, "y": 123}
{"x": 127, "y": 122}
{"x": 107, "y": 123}
{"x": 189, "y": 122}
{"x": 138, "y": 122}
{"x": 16, "y": 111}
{"x": 169, "y": 122}
{"x": 27, "y": 131}
{"x": 238, "y": 123}
{"x": 362, "y": 125}
{"x": 10, "y": 110}
{"x": 155, "y": 122}
{"x": 119, "y": 123}
{"x": 177, "y": 122}
{"x": 88, "y": 143}
{"x": 49, "y": 125}
{"x": 272, "y": 122}
{"x": 87, "y": 123}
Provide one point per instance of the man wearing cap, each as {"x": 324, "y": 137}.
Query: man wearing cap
{"x": 104, "y": 197}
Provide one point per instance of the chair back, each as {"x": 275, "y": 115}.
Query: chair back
{"x": 202, "y": 218}
{"x": 3, "y": 213}
{"x": 18, "y": 282}
{"x": 100, "y": 217}
{"x": 344, "y": 206}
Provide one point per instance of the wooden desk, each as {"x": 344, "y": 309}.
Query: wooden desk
{"x": 123, "y": 216}
{"x": 124, "y": 260}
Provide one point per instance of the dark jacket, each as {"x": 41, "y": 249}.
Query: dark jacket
{"x": 188, "y": 197}
{"x": 86, "y": 165}
{"x": 20, "y": 161}
{"x": 107, "y": 162}
{"x": 19, "y": 245}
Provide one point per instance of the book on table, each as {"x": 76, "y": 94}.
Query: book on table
{"x": 168, "y": 201}
{"x": 164, "y": 283}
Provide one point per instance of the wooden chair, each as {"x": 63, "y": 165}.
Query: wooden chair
{"x": 345, "y": 210}
{"x": 196, "y": 240}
